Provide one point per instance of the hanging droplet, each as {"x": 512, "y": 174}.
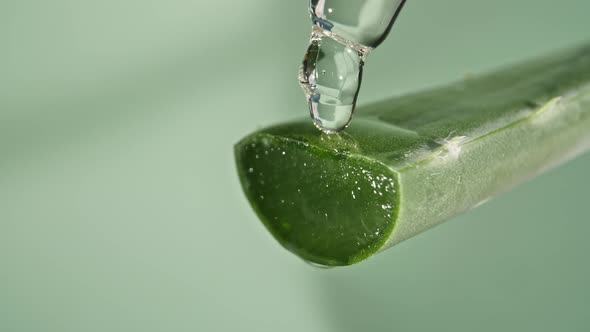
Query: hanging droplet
{"x": 343, "y": 34}
{"x": 331, "y": 78}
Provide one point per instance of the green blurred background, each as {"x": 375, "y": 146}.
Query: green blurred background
{"x": 120, "y": 209}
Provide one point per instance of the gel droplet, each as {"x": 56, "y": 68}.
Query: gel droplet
{"x": 331, "y": 79}
{"x": 343, "y": 34}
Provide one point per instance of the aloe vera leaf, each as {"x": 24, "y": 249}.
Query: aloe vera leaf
{"x": 409, "y": 163}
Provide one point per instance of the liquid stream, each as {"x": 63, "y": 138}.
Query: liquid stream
{"x": 343, "y": 34}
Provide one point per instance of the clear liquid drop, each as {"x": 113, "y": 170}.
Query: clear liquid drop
{"x": 343, "y": 34}
{"x": 331, "y": 77}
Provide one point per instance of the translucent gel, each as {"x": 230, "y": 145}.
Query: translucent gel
{"x": 343, "y": 34}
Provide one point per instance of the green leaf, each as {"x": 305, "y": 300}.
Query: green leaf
{"x": 407, "y": 164}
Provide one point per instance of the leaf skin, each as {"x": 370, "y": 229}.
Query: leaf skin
{"x": 409, "y": 163}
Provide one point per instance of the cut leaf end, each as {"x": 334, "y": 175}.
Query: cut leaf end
{"x": 327, "y": 206}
